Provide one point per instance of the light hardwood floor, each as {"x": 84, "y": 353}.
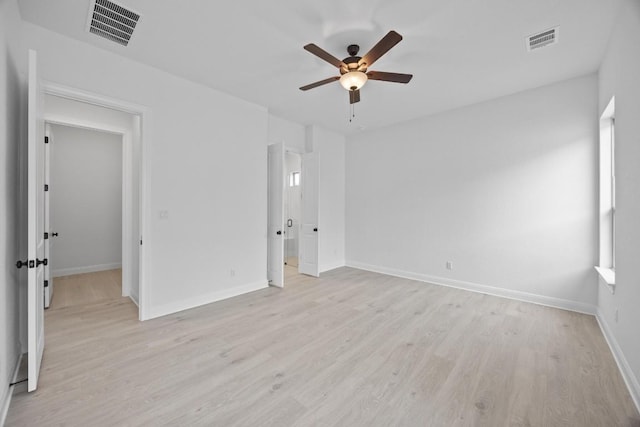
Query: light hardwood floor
{"x": 86, "y": 288}
{"x": 352, "y": 348}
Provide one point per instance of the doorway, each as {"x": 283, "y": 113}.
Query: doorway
{"x": 292, "y": 208}
{"x": 118, "y": 262}
{"x": 85, "y": 193}
{"x": 292, "y": 214}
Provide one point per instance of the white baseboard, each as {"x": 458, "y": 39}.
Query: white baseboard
{"x": 88, "y": 269}
{"x": 188, "y": 303}
{"x": 134, "y": 299}
{"x": 627, "y": 373}
{"x": 333, "y": 266}
{"x": 564, "y": 304}
{"x": 6, "y": 399}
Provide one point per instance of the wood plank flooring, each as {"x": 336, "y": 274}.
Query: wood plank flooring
{"x": 352, "y": 348}
{"x": 86, "y": 288}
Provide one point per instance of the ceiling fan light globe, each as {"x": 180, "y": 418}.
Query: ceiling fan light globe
{"x": 353, "y": 80}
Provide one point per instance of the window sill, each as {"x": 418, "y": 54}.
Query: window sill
{"x": 608, "y": 276}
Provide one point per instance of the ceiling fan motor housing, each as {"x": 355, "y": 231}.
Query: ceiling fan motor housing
{"x": 353, "y": 49}
{"x": 352, "y": 65}
{"x": 352, "y": 61}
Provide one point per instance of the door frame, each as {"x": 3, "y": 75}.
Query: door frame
{"x": 128, "y": 141}
{"x": 48, "y": 271}
{"x": 275, "y": 234}
{"x": 126, "y": 184}
{"x": 299, "y": 153}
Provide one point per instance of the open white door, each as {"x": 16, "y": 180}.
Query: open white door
{"x": 309, "y": 231}
{"x": 275, "y": 228}
{"x": 48, "y": 220}
{"x": 35, "y": 218}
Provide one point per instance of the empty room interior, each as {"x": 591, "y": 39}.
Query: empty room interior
{"x": 303, "y": 213}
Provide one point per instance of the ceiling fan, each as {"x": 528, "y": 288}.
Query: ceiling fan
{"x": 354, "y": 69}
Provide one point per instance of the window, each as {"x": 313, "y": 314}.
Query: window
{"x": 607, "y": 263}
{"x": 294, "y": 179}
{"x": 612, "y": 186}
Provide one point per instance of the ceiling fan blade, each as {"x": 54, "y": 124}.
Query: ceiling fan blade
{"x": 354, "y": 96}
{"x": 389, "y": 77}
{"x": 323, "y": 54}
{"x": 320, "y": 83}
{"x": 390, "y": 40}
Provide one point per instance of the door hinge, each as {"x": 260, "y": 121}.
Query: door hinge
{"x": 46, "y": 283}
{"x": 46, "y": 139}
{"x": 46, "y": 187}
{"x": 46, "y": 236}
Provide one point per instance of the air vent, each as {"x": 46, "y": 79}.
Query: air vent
{"x": 545, "y": 38}
{"x": 112, "y": 21}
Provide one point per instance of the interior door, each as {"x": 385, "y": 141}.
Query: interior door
{"x": 48, "y": 220}
{"x": 275, "y": 228}
{"x": 35, "y": 219}
{"x": 308, "y": 263}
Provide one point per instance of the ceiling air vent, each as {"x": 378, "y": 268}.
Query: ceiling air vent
{"x": 112, "y": 21}
{"x": 545, "y": 38}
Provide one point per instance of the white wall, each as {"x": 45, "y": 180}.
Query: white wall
{"x": 331, "y": 197}
{"x": 291, "y": 133}
{"x": 619, "y": 76}
{"x": 206, "y": 167}
{"x": 86, "y": 200}
{"x": 10, "y": 138}
{"x": 505, "y": 190}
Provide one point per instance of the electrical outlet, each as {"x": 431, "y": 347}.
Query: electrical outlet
{"x": 449, "y": 265}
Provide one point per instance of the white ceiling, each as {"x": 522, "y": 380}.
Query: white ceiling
{"x": 460, "y": 51}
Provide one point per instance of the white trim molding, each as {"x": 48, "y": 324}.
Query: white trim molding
{"x": 53, "y": 88}
{"x": 200, "y": 300}
{"x": 625, "y": 369}
{"x": 607, "y": 277}
{"x": 548, "y": 301}
{"x": 86, "y": 269}
{"x": 328, "y": 267}
{"x": 6, "y": 399}
{"x": 134, "y": 300}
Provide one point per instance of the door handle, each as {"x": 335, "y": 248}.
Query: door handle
{"x": 20, "y": 264}
{"x": 279, "y": 232}
{"x": 315, "y": 229}
{"x": 54, "y": 234}
{"x": 289, "y": 222}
